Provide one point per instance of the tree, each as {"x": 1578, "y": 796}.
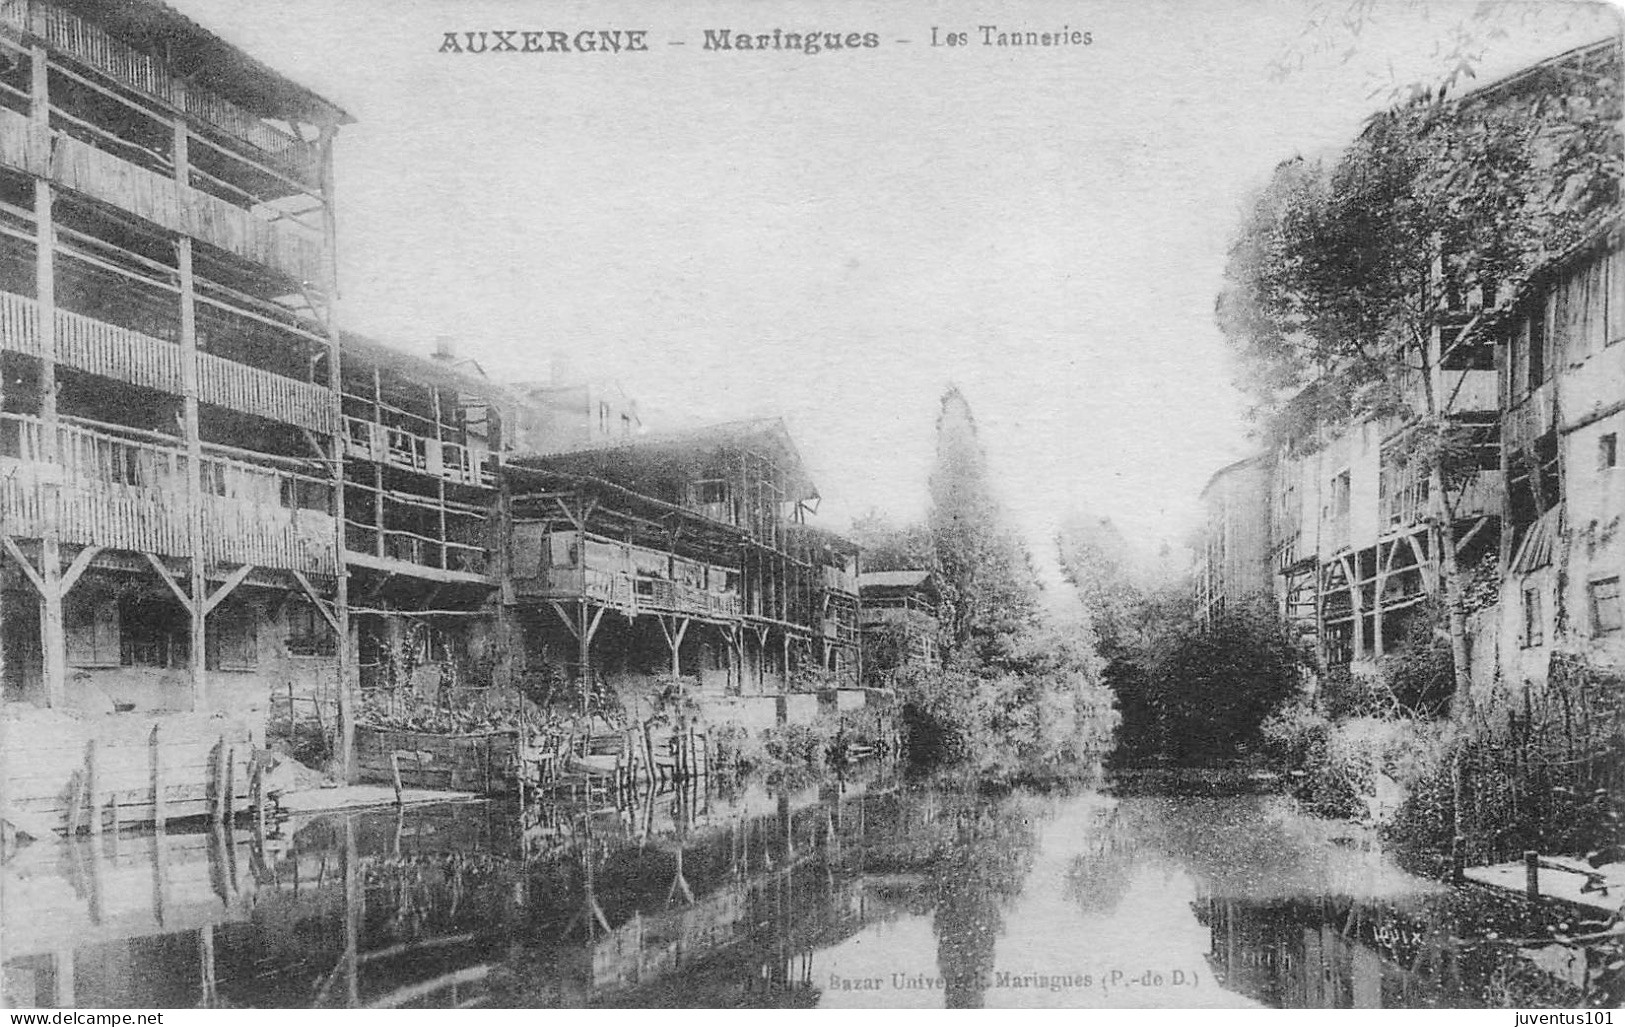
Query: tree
{"x": 1462, "y": 34}
{"x": 1344, "y": 282}
{"x": 988, "y": 587}
{"x": 887, "y": 546}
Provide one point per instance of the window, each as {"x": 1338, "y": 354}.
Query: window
{"x": 1337, "y": 504}
{"x": 231, "y": 639}
{"x": 1608, "y": 452}
{"x": 91, "y": 626}
{"x": 1537, "y": 346}
{"x": 1606, "y": 613}
{"x": 1534, "y": 619}
{"x": 309, "y": 634}
{"x": 153, "y": 633}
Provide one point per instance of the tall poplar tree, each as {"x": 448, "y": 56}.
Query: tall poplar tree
{"x": 988, "y": 587}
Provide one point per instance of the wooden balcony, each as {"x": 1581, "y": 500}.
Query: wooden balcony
{"x": 89, "y": 44}
{"x": 836, "y": 579}
{"x": 1288, "y": 551}
{"x": 1530, "y": 419}
{"x": 109, "y": 491}
{"x": 397, "y": 551}
{"x": 576, "y": 583}
{"x": 130, "y": 356}
{"x": 907, "y": 618}
{"x": 365, "y": 439}
{"x": 633, "y": 595}
{"x": 237, "y": 386}
{"x": 836, "y": 629}
{"x": 657, "y": 596}
{"x": 21, "y": 146}
{"x": 1407, "y": 501}
{"x": 114, "y": 352}
{"x": 74, "y": 164}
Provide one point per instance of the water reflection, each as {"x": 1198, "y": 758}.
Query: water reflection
{"x": 868, "y": 891}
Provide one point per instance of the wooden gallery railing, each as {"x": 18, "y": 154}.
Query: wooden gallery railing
{"x": 83, "y": 168}
{"x": 367, "y": 439}
{"x": 111, "y": 491}
{"x": 89, "y": 43}
{"x": 130, "y": 356}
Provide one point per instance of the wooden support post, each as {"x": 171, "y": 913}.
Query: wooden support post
{"x": 259, "y": 797}
{"x": 156, "y": 754}
{"x": 585, "y": 652}
{"x": 228, "y": 801}
{"x": 194, "y": 467}
{"x": 206, "y": 970}
{"x": 217, "y": 808}
{"x": 395, "y": 776}
{"x": 335, "y": 384}
{"x": 1531, "y": 874}
{"x": 160, "y": 874}
{"x": 93, "y": 787}
{"x": 62, "y": 965}
{"x": 1458, "y": 859}
{"x": 1351, "y": 574}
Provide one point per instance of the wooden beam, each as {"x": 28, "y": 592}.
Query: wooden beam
{"x": 236, "y": 578}
{"x": 316, "y": 447}
{"x": 592, "y": 629}
{"x": 166, "y": 576}
{"x": 558, "y": 608}
{"x": 321, "y": 604}
{"x": 1478, "y": 525}
{"x": 28, "y": 568}
{"x": 569, "y": 515}
{"x": 80, "y": 563}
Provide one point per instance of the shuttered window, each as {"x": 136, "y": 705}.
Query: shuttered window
{"x": 91, "y": 624}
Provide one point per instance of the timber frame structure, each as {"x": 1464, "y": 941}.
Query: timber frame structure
{"x": 700, "y": 534}
{"x": 1528, "y": 378}
{"x": 217, "y": 509}
{"x": 170, "y": 430}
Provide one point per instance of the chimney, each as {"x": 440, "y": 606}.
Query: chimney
{"x": 445, "y": 348}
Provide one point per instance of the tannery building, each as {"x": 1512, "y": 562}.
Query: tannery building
{"x": 1531, "y": 377}
{"x": 223, "y": 521}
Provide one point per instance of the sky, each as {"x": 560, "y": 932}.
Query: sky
{"x": 836, "y": 238}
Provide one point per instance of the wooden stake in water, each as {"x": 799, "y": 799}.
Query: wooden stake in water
{"x": 93, "y": 787}
{"x": 1531, "y": 873}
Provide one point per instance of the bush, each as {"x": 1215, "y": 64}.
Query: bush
{"x": 1538, "y": 768}
{"x": 1199, "y": 695}
{"x": 1327, "y": 777}
{"x": 793, "y": 744}
{"x": 737, "y": 747}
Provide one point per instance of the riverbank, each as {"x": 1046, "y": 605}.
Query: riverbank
{"x": 770, "y": 893}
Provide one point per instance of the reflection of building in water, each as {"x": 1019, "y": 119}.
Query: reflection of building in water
{"x": 378, "y": 910}
{"x": 424, "y": 907}
{"x": 1330, "y": 953}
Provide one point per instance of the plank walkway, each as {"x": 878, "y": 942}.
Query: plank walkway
{"x": 324, "y": 800}
{"x": 1558, "y": 884}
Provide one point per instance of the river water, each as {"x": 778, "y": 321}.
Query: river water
{"x": 864, "y": 891}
